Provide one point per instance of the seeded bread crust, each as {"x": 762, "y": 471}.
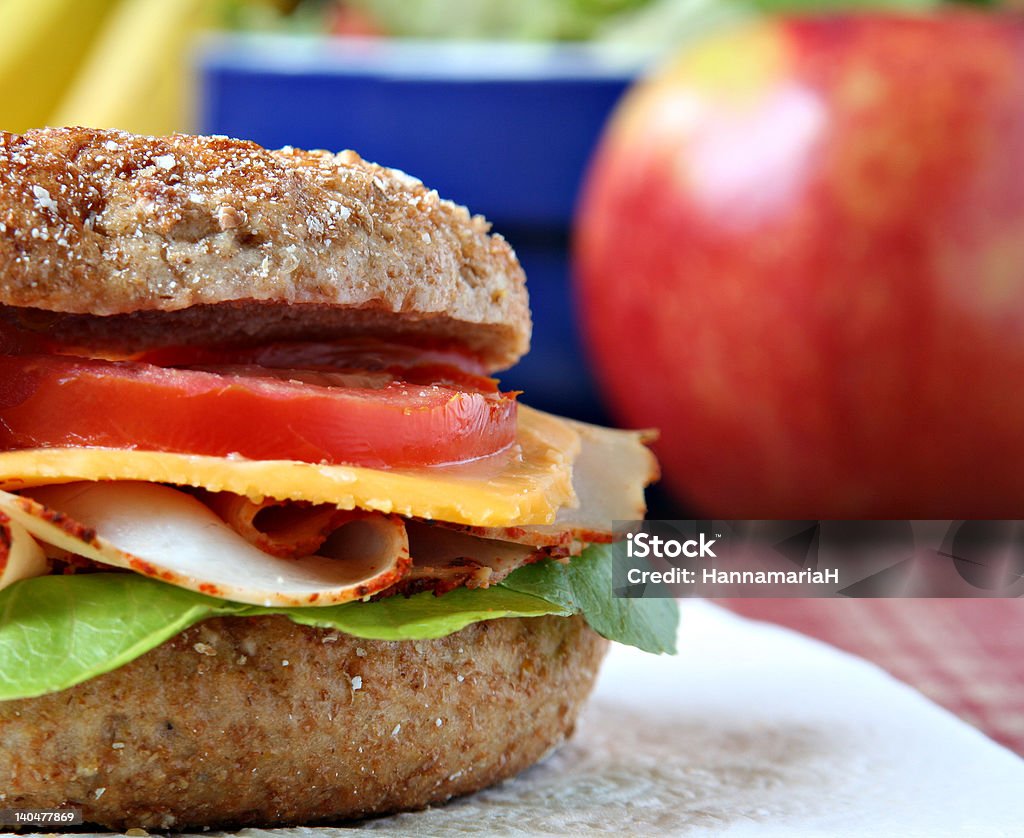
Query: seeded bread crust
{"x": 139, "y": 241}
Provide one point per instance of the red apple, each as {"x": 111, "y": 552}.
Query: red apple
{"x": 800, "y": 254}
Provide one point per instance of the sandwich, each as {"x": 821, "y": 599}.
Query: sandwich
{"x": 275, "y": 546}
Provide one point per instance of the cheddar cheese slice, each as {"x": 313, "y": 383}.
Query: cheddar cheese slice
{"x": 526, "y": 485}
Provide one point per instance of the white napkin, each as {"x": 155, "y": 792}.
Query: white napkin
{"x": 751, "y": 730}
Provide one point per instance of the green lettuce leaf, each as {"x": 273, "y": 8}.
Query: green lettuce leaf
{"x": 422, "y": 616}
{"x": 584, "y": 586}
{"x": 58, "y": 631}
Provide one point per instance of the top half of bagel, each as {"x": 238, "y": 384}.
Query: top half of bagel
{"x": 112, "y": 239}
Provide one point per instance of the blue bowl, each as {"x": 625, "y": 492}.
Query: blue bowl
{"x": 506, "y": 129}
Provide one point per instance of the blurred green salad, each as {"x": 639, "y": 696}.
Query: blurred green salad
{"x": 646, "y": 22}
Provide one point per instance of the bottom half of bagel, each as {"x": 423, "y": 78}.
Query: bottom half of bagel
{"x": 258, "y": 721}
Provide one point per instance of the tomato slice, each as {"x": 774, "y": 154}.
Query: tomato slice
{"x": 381, "y": 421}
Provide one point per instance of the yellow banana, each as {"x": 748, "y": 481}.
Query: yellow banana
{"x": 42, "y": 45}
{"x": 137, "y": 76}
